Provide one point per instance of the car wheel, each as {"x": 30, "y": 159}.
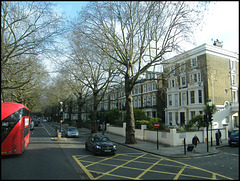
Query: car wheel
{"x": 94, "y": 152}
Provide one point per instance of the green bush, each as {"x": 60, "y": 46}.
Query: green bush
{"x": 150, "y": 124}
{"x": 138, "y": 123}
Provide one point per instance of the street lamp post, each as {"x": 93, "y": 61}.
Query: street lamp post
{"x": 206, "y": 121}
{"x": 210, "y": 118}
{"x": 61, "y": 117}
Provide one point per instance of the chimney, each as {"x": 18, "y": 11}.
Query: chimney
{"x": 217, "y": 43}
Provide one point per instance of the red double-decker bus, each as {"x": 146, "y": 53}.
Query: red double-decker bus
{"x": 15, "y": 129}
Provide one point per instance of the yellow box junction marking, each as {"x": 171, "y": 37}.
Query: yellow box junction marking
{"x": 156, "y": 160}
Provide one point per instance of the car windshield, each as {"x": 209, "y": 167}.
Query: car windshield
{"x": 103, "y": 139}
{"x": 72, "y": 129}
{"x": 235, "y": 133}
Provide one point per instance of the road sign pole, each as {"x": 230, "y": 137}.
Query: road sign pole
{"x": 156, "y": 125}
{"x": 184, "y": 146}
{"x": 157, "y": 138}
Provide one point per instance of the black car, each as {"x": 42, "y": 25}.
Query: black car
{"x": 100, "y": 144}
{"x": 234, "y": 138}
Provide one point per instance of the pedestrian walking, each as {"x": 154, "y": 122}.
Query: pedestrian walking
{"x": 195, "y": 141}
{"x": 219, "y": 135}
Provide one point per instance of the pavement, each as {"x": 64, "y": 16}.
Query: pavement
{"x": 164, "y": 150}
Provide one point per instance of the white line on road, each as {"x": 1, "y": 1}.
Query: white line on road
{"x": 46, "y": 129}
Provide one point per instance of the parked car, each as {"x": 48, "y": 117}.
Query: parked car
{"x": 234, "y": 138}
{"x": 72, "y": 132}
{"x": 36, "y": 122}
{"x": 100, "y": 144}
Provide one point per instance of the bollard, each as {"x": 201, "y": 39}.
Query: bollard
{"x": 184, "y": 142}
{"x": 59, "y": 135}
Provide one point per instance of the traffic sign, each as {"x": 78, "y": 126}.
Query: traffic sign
{"x": 156, "y": 125}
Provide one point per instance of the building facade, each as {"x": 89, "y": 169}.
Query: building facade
{"x": 145, "y": 96}
{"x": 197, "y": 76}
{"x": 179, "y": 93}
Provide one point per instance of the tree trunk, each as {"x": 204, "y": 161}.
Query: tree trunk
{"x": 79, "y": 121}
{"x": 94, "y": 121}
{"x": 130, "y": 122}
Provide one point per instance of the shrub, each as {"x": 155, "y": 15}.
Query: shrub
{"x": 138, "y": 123}
{"x": 150, "y": 124}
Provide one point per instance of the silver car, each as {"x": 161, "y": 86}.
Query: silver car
{"x": 72, "y": 132}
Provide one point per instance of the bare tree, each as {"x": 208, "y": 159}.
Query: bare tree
{"x": 71, "y": 77}
{"x": 96, "y": 71}
{"x": 27, "y": 30}
{"x": 139, "y": 34}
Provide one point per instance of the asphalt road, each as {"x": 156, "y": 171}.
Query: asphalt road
{"x": 225, "y": 163}
{"x": 42, "y": 159}
{"x": 49, "y": 158}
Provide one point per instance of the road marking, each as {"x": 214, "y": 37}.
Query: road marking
{"x": 233, "y": 154}
{"x": 179, "y": 173}
{"x": 120, "y": 166}
{"x": 153, "y": 164}
{"x": 46, "y": 130}
{"x": 100, "y": 161}
{"x": 149, "y": 168}
{"x": 84, "y": 168}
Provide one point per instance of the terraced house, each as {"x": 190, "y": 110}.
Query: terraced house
{"x": 146, "y": 96}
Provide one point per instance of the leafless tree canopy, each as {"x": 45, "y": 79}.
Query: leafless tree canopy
{"x": 138, "y": 34}
{"x": 27, "y": 30}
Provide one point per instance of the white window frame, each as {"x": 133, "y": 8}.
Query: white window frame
{"x": 176, "y": 100}
{"x": 184, "y": 98}
{"x": 233, "y": 79}
{"x": 149, "y": 87}
{"x": 148, "y": 101}
{"x": 194, "y": 62}
{"x": 190, "y": 97}
{"x": 144, "y": 88}
{"x": 144, "y": 101}
{"x": 135, "y": 102}
{"x": 200, "y": 102}
{"x": 170, "y": 100}
{"x": 139, "y": 101}
{"x": 154, "y": 86}
{"x": 181, "y": 79}
{"x": 154, "y": 100}
{"x": 233, "y": 65}
{"x": 139, "y": 89}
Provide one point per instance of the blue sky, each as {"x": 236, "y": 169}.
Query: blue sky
{"x": 221, "y": 23}
{"x": 70, "y": 8}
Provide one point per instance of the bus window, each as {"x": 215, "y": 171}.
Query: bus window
{"x": 9, "y": 123}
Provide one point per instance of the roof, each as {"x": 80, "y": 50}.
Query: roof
{"x": 7, "y": 108}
